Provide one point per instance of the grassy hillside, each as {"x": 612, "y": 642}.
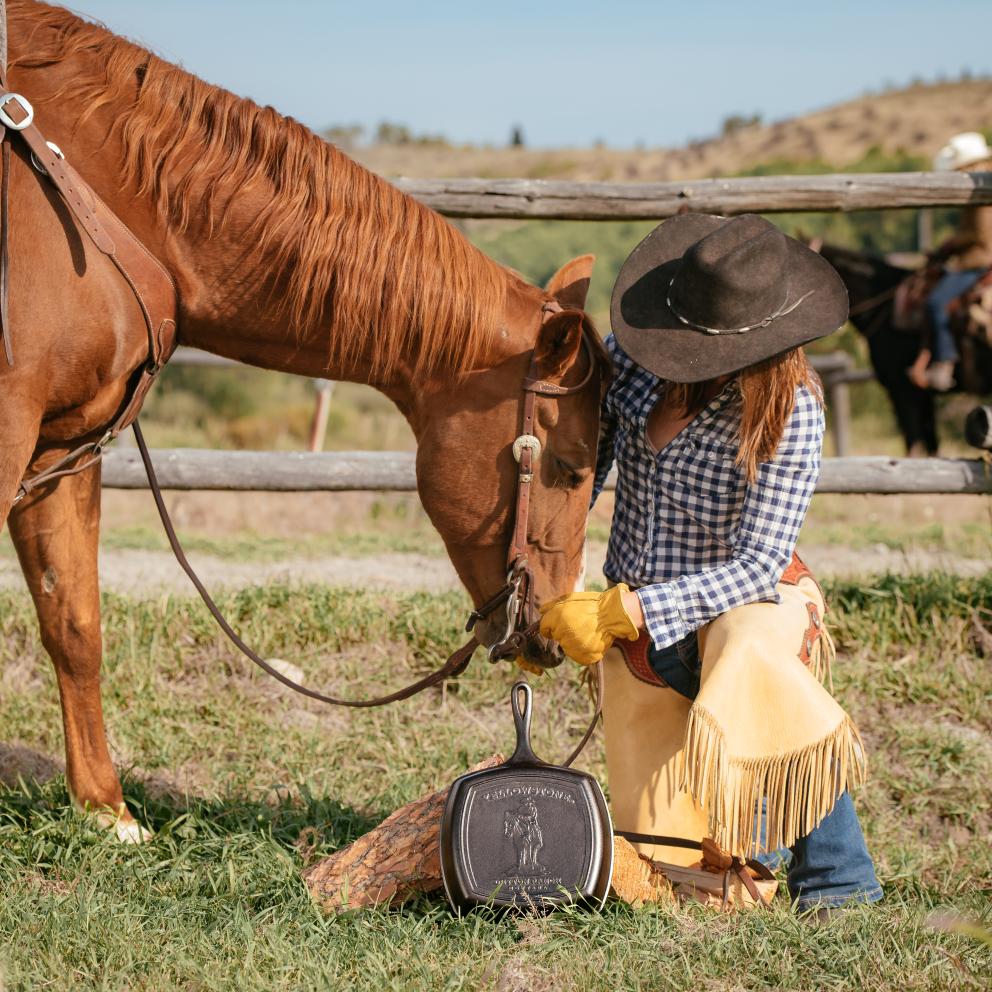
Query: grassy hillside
{"x": 916, "y": 121}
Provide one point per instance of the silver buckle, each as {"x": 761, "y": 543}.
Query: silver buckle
{"x": 526, "y": 441}
{"x": 107, "y": 439}
{"x": 6, "y": 119}
{"x": 37, "y": 164}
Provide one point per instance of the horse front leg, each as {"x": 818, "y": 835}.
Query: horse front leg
{"x": 56, "y": 534}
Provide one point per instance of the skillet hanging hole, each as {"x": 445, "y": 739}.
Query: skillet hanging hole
{"x": 522, "y": 712}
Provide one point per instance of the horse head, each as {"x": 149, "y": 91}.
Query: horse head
{"x": 468, "y": 472}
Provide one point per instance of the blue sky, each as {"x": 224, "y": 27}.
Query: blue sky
{"x": 623, "y": 72}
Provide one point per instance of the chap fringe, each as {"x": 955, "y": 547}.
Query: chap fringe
{"x": 799, "y": 787}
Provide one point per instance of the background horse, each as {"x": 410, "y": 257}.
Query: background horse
{"x": 286, "y": 255}
{"x": 871, "y": 283}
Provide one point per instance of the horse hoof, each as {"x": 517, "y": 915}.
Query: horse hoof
{"x": 124, "y": 827}
{"x": 132, "y": 832}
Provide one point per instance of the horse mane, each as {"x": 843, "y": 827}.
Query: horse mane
{"x": 334, "y": 240}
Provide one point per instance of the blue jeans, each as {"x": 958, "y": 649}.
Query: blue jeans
{"x": 945, "y": 292}
{"x": 831, "y": 865}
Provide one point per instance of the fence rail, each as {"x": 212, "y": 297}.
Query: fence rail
{"x": 394, "y": 471}
{"x": 835, "y": 368}
{"x": 547, "y": 199}
{"x": 553, "y": 199}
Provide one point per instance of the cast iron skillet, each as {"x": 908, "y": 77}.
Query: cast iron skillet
{"x": 526, "y": 834}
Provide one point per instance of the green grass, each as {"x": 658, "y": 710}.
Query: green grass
{"x": 244, "y": 782}
{"x": 250, "y": 546}
{"x": 968, "y": 538}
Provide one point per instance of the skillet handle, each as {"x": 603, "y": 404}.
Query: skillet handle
{"x": 521, "y": 719}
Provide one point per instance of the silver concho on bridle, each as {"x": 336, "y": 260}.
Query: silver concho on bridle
{"x": 523, "y": 443}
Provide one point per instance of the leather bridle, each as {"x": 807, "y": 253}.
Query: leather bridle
{"x": 517, "y": 595}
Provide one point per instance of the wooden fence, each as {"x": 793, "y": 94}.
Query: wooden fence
{"x": 547, "y": 199}
{"x": 541, "y": 199}
{"x": 394, "y": 471}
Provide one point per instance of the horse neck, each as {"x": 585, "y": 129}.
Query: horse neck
{"x": 227, "y": 304}
{"x": 864, "y": 275}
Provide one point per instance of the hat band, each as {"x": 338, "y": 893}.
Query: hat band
{"x": 786, "y": 308}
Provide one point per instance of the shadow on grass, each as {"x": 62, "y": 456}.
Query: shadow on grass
{"x": 33, "y": 789}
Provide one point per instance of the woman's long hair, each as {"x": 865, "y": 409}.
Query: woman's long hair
{"x": 768, "y": 394}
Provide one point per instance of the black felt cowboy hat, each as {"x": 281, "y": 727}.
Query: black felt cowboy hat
{"x": 705, "y": 296}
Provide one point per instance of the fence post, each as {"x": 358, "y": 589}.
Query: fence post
{"x": 321, "y": 411}
{"x": 840, "y": 408}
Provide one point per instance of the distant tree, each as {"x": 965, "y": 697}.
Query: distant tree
{"x": 737, "y": 122}
{"x": 345, "y": 136}
{"x": 966, "y": 76}
{"x": 517, "y": 136}
{"x": 388, "y": 133}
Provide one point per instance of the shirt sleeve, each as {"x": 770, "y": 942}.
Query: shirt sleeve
{"x": 605, "y": 452}
{"x": 772, "y": 514}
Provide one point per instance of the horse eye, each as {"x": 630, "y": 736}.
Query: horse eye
{"x": 567, "y": 476}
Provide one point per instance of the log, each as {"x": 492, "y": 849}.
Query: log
{"x": 635, "y": 879}
{"x": 401, "y": 858}
{"x": 395, "y": 471}
{"x": 560, "y": 200}
{"x": 264, "y": 471}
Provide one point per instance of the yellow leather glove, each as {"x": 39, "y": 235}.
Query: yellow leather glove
{"x": 585, "y": 624}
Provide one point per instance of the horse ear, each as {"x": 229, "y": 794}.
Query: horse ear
{"x": 558, "y": 344}
{"x": 570, "y": 284}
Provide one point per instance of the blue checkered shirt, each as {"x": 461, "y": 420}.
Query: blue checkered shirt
{"x": 689, "y": 532}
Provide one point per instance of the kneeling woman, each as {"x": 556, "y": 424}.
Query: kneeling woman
{"x": 714, "y": 708}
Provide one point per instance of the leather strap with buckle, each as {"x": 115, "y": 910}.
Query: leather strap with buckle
{"x": 518, "y": 593}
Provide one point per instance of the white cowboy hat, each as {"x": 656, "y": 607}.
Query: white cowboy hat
{"x": 961, "y": 151}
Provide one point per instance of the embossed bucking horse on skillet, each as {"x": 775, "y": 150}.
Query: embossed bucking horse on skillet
{"x": 141, "y": 207}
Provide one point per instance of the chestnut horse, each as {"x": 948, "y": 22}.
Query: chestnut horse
{"x": 286, "y": 255}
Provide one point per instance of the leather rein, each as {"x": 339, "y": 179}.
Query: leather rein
{"x": 516, "y": 595}
{"x": 157, "y": 297}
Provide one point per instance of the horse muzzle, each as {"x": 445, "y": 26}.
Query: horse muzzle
{"x": 527, "y": 642}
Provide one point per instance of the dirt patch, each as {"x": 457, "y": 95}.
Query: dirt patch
{"x": 17, "y": 762}
{"x": 142, "y": 573}
{"x": 151, "y": 572}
